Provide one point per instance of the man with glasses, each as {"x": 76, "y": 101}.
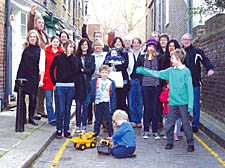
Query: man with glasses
{"x": 194, "y": 56}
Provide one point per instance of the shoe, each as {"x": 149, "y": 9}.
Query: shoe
{"x": 89, "y": 122}
{"x": 146, "y": 135}
{"x": 169, "y": 146}
{"x": 32, "y": 122}
{"x": 175, "y": 137}
{"x": 53, "y": 123}
{"x": 67, "y": 134}
{"x": 58, "y": 134}
{"x": 164, "y": 137}
{"x": 134, "y": 154}
{"x": 37, "y": 117}
{"x": 110, "y": 134}
{"x": 190, "y": 148}
{"x": 181, "y": 128}
{"x": 43, "y": 115}
{"x": 78, "y": 130}
{"x": 156, "y": 136}
{"x": 133, "y": 124}
{"x": 139, "y": 125}
{"x": 83, "y": 129}
{"x": 194, "y": 129}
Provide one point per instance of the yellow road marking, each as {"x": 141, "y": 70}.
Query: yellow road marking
{"x": 60, "y": 152}
{"x": 210, "y": 150}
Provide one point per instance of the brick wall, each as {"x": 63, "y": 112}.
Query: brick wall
{"x": 2, "y": 46}
{"x": 213, "y": 88}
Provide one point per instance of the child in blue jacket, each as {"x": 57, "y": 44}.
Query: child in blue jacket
{"x": 124, "y": 140}
{"x": 103, "y": 93}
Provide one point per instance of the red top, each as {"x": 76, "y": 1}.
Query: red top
{"x": 164, "y": 99}
{"x": 49, "y": 56}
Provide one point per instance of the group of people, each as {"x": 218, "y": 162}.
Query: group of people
{"x": 161, "y": 81}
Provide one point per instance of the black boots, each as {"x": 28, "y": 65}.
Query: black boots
{"x": 32, "y": 122}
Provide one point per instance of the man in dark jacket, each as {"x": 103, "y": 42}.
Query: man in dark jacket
{"x": 194, "y": 56}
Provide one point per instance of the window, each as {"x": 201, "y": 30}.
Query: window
{"x": 24, "y": 20}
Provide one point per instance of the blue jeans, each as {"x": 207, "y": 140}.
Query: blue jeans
{"x": 196, "y": 110}
{"x": 65, "y": 97}
{"x": 49, "y": 107}
{"x": 150, "y": 96}
{"x": 135, "y": 101}
{"x": 81, "y": 113}
{"x": 122, "y": 151}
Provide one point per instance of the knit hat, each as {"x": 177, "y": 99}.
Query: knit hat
{"x": 151, "y": 41}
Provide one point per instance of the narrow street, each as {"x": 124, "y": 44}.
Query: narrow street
{"x": 150, "y": 153}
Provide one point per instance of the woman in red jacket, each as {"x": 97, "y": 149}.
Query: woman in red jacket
{"x": 50, "y": 52}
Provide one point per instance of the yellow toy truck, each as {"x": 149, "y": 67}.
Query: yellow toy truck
{"x": 104, "y": 146}
{"x": 84, "y": 140}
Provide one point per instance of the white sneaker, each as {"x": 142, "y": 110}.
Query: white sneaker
{"x": 156, "y": 136}
{"x": 83, "y": 129}
{"x": 78, "y": 130}
{"x": 146, "y": 135}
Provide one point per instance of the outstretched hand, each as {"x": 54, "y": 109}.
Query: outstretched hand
{"x": 210, "y": 72}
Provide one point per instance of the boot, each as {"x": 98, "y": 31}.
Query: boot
{"x": 32, "y": 122}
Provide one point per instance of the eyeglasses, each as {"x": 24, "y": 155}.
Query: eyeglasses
{"x": 186, "y": 39}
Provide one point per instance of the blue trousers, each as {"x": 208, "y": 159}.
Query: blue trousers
{"x": 135, "y": 101}
{"x": 65, "y": 96}
{"x": 196, "y": 110}
{"x": 49, "y": 106}
{"x": 122, "y": 151}
{"x": 102, "y": 109}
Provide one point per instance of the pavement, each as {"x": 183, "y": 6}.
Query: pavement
{"x": 20, "y": 149}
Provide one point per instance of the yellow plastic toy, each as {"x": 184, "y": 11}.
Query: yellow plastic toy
{"x": 84, "y": 140}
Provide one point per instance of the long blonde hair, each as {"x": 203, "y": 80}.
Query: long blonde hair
{"x": 26, "y": 44}
{"x": 153, "y": 54}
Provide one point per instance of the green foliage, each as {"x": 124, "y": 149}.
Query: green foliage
{"x": 209, "y": 7}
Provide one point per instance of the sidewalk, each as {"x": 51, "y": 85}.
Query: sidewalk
{"x": 20, "y": 149}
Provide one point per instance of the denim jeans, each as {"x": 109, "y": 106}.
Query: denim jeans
{"x": 122, "y": 151}
{"x": 49, "y": 107}
{"x": 150, "y": 96}
{"x": 81, "y": 113}
{"x": 170, "y": 123}
{"x": 135, "y": 101}
{"x": 65, "y": 96}
{"x": 196, "y": 110}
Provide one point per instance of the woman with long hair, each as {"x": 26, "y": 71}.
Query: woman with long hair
{"x": 66, "y": 67}
{"x": 32, "y": 65}
{"x": 50, "y": 52}
{"x": 151, "y": 87}
{"x": 171, "y": 46}
{"x": 87, "y": 66}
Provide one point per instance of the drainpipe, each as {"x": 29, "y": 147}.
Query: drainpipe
{"x": 154, "y": 22}
{"x": 46, "y": 3}
{"x": 8, "y": 68}
{"x": 162, "y": 16}
{"x": 74, "y": 17}
{"x": 188, "y": 16}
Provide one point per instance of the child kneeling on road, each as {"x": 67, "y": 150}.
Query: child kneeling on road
{"x": 180, "y": 95}
{"x": 124, "y": 140}
{"x": 103, "y": 93}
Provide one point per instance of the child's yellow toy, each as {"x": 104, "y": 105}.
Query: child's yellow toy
{"x": 104, "y": 146}
{"x": 85, "y": 140}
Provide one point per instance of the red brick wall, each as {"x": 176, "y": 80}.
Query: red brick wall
{"x": 2, "y": 45}
{"x": 91, "y": 29}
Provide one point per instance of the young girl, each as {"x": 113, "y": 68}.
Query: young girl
{"x": 164, "y": 98}
{"x": 66, "y": 65}
{"x": 151, "y": 88}
{"x": 50, "y": 52}
{"x": 31, "y": 65}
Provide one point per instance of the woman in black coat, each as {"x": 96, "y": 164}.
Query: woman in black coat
{"x": 32, "y": 65}
{"x": 87, "y": 66}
